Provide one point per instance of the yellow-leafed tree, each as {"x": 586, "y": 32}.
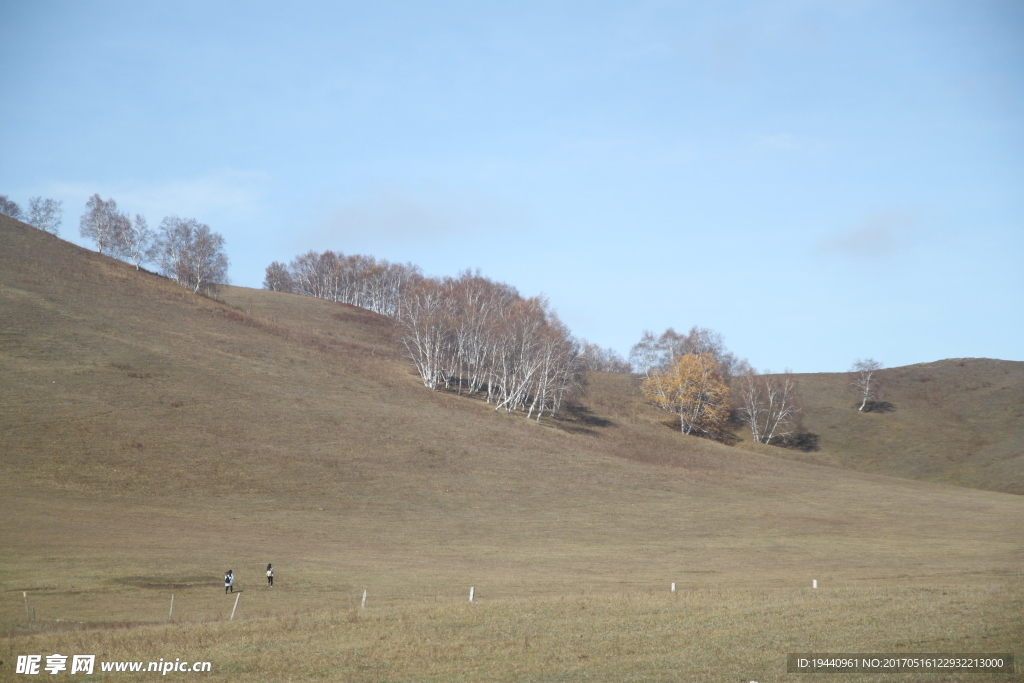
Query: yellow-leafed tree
{"x": 692, "y": 387}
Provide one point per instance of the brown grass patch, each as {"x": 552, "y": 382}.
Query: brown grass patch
{"x": 269, "y": 429}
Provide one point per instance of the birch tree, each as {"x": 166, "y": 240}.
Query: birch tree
{"x": 864, "y": 381}
{"x": 363, "y": 281}
{"x": 480, "y": 306}
{"x": 517, "y": 358}
{"x": 692, "y": 388}
{"x": 308, "y": 276}
{"x": 278, "y": 278}
{"x": 190, "y": 253}
{"x": 136, "y": 241}
{"x": 600, "y": 359}
{"x": 207, "y": 264}
{"x": 45, "y": 214}
{"x": 560, "y": 366}
{"x": 103, "y": 223}
{"x": 10, "y": 208}
{"x": 769, "y": 404}
{"x": 646, "y": 355}
{"x": 469, "y": 333}
{"x": 476, "y": 335}
{"x": 661, "y": 352}
{"x": 426, "y": 330}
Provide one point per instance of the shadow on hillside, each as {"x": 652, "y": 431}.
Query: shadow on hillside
{"x": 722, "y": 435}
{"x": 579, "y": 419}
{"x": 878, "y": 407}
{"x": 800, "y": 441}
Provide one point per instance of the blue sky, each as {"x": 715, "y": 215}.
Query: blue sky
{"x": 818, "y": 181}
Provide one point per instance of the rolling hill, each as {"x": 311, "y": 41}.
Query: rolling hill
{"x": 959, "y": 421}
{"x": 151, "y": 438}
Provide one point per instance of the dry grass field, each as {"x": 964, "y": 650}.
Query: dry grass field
{"x": 151, "y": 439}
{"x": 696, "y": 635}
{"x": 957, "y": 421}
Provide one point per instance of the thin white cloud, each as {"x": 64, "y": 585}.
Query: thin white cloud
{"x": 878, "y": 236}
{"x": 598, "y": 144}
{"x": 393, "y": 214}
{"x": 227, "y": 195}
{"x": 779, "y": 141}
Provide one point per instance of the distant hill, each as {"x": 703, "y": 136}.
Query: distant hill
{"x": 958, "y": 421}
{"x": 120, "y": 335}
{"x": 147, "y": 429}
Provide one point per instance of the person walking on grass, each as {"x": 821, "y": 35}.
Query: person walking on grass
{"x": 270, "y": 575}
{"x": 229, "y": 582}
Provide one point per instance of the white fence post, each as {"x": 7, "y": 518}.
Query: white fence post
{"x": 170, "y": 614}
{"x": 471, "y": 592}
{"x": 363, "y": 605}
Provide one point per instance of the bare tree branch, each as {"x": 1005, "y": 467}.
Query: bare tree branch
{"x": 10, "y": 208}
{"x": 190, "y": 253}
{"x": 769, "y": 403}
{"x": 45, "y": 214}
{"x": 864, "y": 380}
{"x": 103, "y": 224}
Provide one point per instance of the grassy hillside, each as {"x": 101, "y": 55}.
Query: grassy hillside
{"x": 150, "y": 439}
{"x": 957, "y": 421}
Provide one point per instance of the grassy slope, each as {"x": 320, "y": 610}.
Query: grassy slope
{"x": 955, "y": 421}
{"x": 149, "y": 439}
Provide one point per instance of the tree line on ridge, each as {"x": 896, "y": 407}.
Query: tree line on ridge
{"x": 475, "y": 336}
{"x": 469, "y": 334}
{"x": 479, "y": 337}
